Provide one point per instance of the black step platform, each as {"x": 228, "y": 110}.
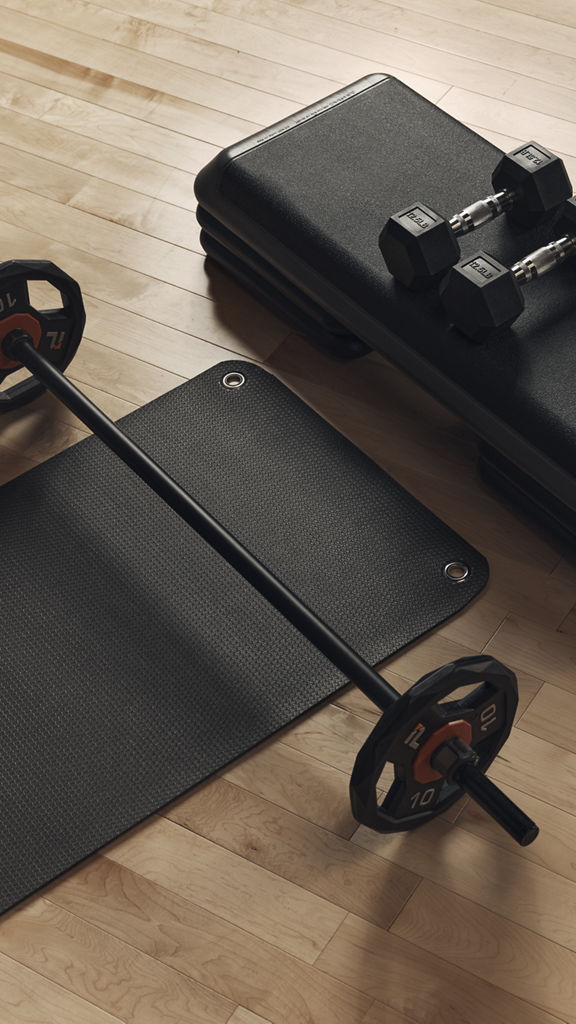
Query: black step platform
{"x": 295, "y": 212}
{"x": 135, "y": 661}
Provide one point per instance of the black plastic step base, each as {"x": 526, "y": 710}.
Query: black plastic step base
{"x": 276, "y": 292}
{"x": 301, "y": 205}
{"x": 525, "y": 492}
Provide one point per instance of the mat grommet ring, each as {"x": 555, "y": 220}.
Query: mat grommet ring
{"x": 456, "y": 572}
{"x": 233, "y": 380}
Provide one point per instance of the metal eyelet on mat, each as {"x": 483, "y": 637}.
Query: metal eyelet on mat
{"x": 233, "y": 380}
{"x": 456, "y": 572}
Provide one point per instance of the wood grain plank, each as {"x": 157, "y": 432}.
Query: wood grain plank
{"x": 555, "y": 847}
{"x": 305, "y": 854}
{"x": 413, "y": 980}
{"x": 123, "y": 206}
{"x": 560, "y": 11}
{"x": 148, "y": 341}
{"x": 566, "y": 569}
{"x": 426, "y": 654}
{"x": 104, "y": 971}
{"x": 211, "y": 26}
{"x": 568, "y": 625}
{"x": 528, "y": 591}
{"x": 237, "y": 323}
{"x": 507, "y": 117}
{"x": 515, "y": 888}
{"x": 549, "y": 655}
{"x": 380, "y": 1014}
{"x": 123, "y": 131}
{"x": 205, "y": 87}
{"x": 203, "y": 22}
{"x": 115, "y": 93}
{"x": 56, "y": 412}
{"x": 517, "y": 26}
{"x": 354, "y": 701}
{"x": 222, "y": 55}
{"x": 375, "y": 19}
{"x": 28, "y": 998}
{"x": 243, "y": 1016}
{"x": 240, "y": 892}
{"x": 373, "y": 396}
{"x": 110, "y": 202}
{"x": 40, "y": 176}
{"x": 331, "y": 735}
{"x": 109, "y": 241}
{"x": 125, "y": 377}
{"x": 476, "y": 624}
{"x": 202, "y": 946}
{"x": 539, "y": 768}
{"x": 482, "y": 943}
{"x": 298, "y": 783}
{"x": 504, "y": 142}
{"x": 542, "y": 98}
{"x": 145, "y": 174}
{"x": 552, "y": 717}
{"x": 372, "y": 27}
{"x": 113, "y": 406}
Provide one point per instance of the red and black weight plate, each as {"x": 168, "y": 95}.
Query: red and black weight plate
{"x": 55, "y": 332}
{"x": 420, "y": 722}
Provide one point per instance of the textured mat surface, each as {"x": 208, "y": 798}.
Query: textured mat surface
{"x": 135, "y": 662}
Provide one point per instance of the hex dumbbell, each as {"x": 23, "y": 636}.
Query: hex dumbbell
{"x": 419, "y": 245}
{"x": 482, "y": 295}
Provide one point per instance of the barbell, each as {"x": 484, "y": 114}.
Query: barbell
{"x": 439, "y": 745}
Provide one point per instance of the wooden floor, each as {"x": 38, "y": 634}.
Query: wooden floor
{"x": 256, "y": 900}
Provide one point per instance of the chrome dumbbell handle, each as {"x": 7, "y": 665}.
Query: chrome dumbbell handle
{"x": 543, "y": 260}
{"x": 481, "y": 212}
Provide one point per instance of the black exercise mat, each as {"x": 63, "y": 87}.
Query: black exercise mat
{"x": 135, "y": 662}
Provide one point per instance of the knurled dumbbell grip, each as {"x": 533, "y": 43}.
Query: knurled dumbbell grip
{"x": 543, "y": 260}
{"x": 481, "y": 212}
{"x": 496, "y": 803}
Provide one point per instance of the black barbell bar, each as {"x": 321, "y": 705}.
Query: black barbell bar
{"x": 18, "y": 345}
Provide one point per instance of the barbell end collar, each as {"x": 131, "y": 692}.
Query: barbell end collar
{"x": 504, "y": 811}
{"x": 13, "y": 340}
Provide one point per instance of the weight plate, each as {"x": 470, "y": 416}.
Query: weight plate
{"x": 55, "y": 332}
{"x": 419, "y": 715}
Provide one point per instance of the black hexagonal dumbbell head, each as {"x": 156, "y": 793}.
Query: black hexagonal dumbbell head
{"x": 482, "y": 296}
{"x": 419, "y": 244}
{"x": 537, "y": 178}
